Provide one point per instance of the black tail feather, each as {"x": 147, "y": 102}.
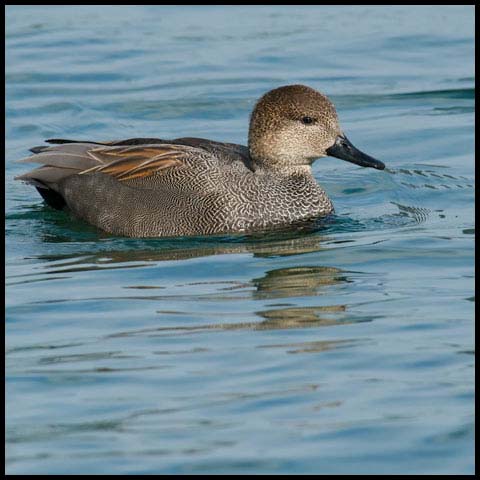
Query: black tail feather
{"x": 63, "y": 140}
{"x": 115, "y": 143}
{"x": 39, "y": 149}
{"x": 52, "y": 198}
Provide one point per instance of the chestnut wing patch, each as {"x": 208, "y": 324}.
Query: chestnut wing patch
{"x": 126, "y": 163}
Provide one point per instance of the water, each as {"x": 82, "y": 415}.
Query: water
{"x": 346, "y": 350}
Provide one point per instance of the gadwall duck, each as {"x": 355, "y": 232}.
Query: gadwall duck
{"x": 148, "y": 187}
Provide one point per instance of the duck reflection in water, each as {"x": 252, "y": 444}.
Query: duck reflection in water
{"x": 275, "y": 284}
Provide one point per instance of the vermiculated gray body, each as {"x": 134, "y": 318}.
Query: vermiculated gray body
{"x": 207, "y": 194}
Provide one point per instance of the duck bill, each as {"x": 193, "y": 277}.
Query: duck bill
{"x": 344, "y": 149}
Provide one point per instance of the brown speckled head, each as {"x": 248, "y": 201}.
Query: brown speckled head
{"x": 291, "y": 126}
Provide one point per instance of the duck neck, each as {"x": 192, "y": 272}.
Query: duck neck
{"x": 295, "y": 170}
{"x": 263, "y": 167}
{"x": 278, "y": 163}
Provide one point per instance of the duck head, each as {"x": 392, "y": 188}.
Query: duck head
{"x": 292, "y": 126}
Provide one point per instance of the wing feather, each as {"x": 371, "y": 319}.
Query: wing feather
{"x": 126, "y": 163}
{"x": 122, "y": 162}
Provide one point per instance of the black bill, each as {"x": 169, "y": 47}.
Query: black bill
{"x": 343, "y": 148}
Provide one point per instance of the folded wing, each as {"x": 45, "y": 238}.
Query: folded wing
{"x": 121, "y": 162}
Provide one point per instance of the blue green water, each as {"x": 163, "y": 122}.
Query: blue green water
{"x": 345, "y": 350}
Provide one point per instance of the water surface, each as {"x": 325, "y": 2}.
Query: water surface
{"x": 344, "y": 350}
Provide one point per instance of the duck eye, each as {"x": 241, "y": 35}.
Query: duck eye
{"x": 307, "y": 120}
